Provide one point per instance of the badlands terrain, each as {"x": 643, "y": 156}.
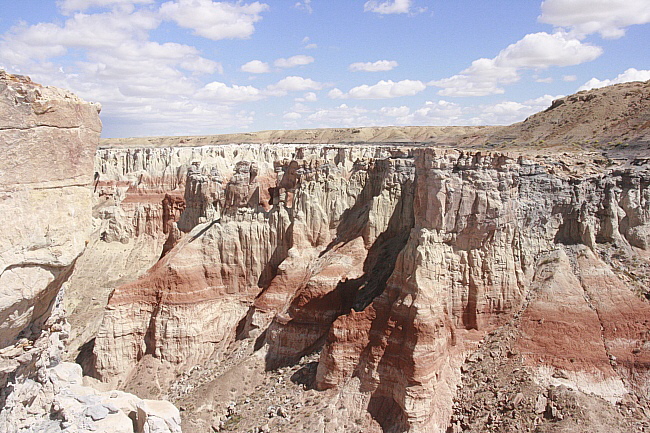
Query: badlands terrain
{"x": 398, "y": 279}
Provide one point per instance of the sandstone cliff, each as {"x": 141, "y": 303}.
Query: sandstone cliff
{"x": 396, "y": 261}
{"x": 347, "y": 280}
{"x": 48, "y": 140}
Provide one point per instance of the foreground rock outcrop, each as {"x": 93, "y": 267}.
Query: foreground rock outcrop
{"x": 48, "y": 140}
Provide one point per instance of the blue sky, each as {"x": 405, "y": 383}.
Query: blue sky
{"x": 186, "y": 67}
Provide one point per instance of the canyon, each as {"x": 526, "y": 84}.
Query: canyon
{"x": 414, "y": 279}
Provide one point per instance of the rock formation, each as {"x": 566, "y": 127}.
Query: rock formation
{"x": 357, "y": 280}
{"x": 396, "y": 261}
{"x": 48, "y": 140}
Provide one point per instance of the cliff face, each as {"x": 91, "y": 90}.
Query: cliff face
{"x": 48, "y": 138}
{"x": 396, "y": 262}
{"x": 327, "y": 287}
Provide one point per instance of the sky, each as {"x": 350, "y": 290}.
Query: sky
{"x": 197, "y": 67}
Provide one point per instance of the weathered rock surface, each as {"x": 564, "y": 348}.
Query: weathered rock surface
{"x": 48, "y": 395}
{"x": 395, "y": 261}
{"x": 48, "y": 139}
{"x": 388, "y": 287}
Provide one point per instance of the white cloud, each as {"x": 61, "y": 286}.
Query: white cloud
{"x": 607, "y": 17}
{"x": 300, "y": 108}
{"x": 68, "y": 6}
{"x": 507, "y": 112}
{"x": 221, "y": 92}
{"x": 441, "y": 113}
{"x": 378, "y": 66}
{"x": 382, "y": 90}
{"x": 343, "y": 115}
{"x": 544, "y": 80}
{"x": 627, "y": 76}
{"x": 114, "y": 62}
{"x": 292, "y": 116}
{"x": 304, "y": 5}
{"x": 388, "y": 6}
{"x": 308, "y": 45}
{"x": 307, "y": 97}
{"x": 542, "y": 50}
{"x": 395, "y": 111}
{"x": 569, "y": 78}
{"x": 534, "y": 51}
{"x": 104, "y": 30}
{"x": 291, "y": 62}
{"x": 293, "y": 84}
{"x": 255, "y": 67}
{"x": 336, "y": 93}
{"x": 215, "y": 20}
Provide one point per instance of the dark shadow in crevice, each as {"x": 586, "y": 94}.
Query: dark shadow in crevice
{"x": 205, "y": 229}
{"x": 279, "y": 255}
{"x": 306, "y": 376}
{"x": 388, "y": 413}
{"x": 349, "y": 294}
{"x": 355, "y": 219}
{"x": 86, "y": 358}
{"x": 150, "y": 335}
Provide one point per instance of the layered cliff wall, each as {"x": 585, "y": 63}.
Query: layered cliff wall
{"x": 48, "y": 140}
{"x": 396, "y": 261}
{"x": 333, "y": 287}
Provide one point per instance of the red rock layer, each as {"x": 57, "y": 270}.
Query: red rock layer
{"x": 397, "y": 261}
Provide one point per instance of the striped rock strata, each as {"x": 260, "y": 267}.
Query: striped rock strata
{"x": 395, "y": 261}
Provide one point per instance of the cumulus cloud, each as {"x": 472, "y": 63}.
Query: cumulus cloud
{"x": 221, "y": 92}
{"x": 336, "y": 93}
{"x": 115, "y": 62}
{"x": 507, "y": 112}
{"x": 382, "y": 90}
{"x": 388, "y": 7}
{"x": 307, "y": 97}
{"x": 102, "y": 30}
{"x": 292, "y": 116}
{"x": 378, "y": 66}
{"x": 255, "y": 67}
{"x": 440, "y": 113}
{"x": 293, "y": 84}
{"x": 343, "y": 115}
{"x": 607, "y": 17}
{"x": 627, "y": 76}
{"x": 395, "y": 111}
{"x": 534, "y": 51}
{"x": 292, "y": 62}
{"x": 215, "y": 20}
